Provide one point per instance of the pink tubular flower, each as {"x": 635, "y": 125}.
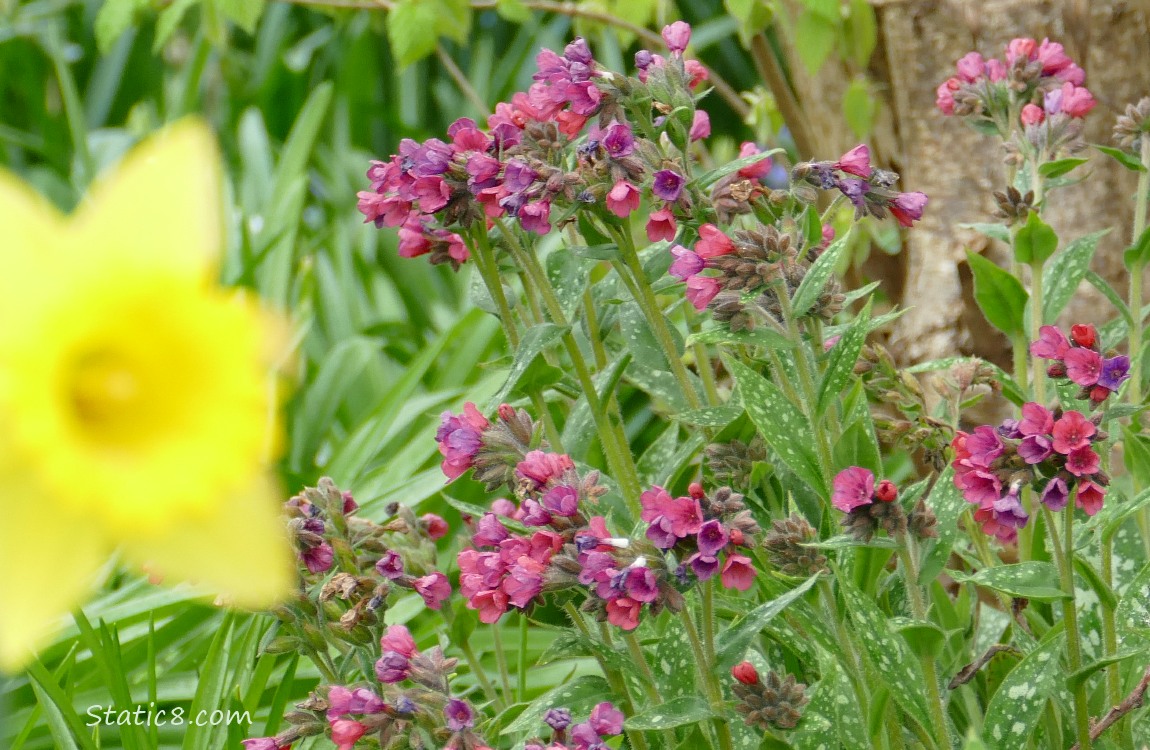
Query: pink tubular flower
{"x": 686, "y": 263}
{"x": 434, "y": 588}
{"x": 460, "y": 438}
{"x": 623, "y": 612}
{"x": 342, "y": 702}
{"x": 540, "y": 467}
{"x": 606, "y": 720}
{"x": 1021, "y": 47}
{"x": 713, "y": 243}
{"x": 398, "y": 639}
{"x": 1071, "y": 432}
{"x": 536, "y": 217}
{"x": 701, "y": 290}
{"x": 1032, "y": 114}
{"x": 491, "y": 605}
{"x": 1083, "y": 366}
{"x": 756, "y": 170}
{"x": 700, "y": 126}
{"x": 677, "y": 36}
{"x": 435, "y": 527}
{"x": 1077, "y": 101}
{"x": 1082, "y": 462}
{"x": 1051, "y": 344}
{"x": 853, "y": 487}
{"x": 970, "y": 68}
{"x": 662, "y": 226}
{"x": 1036, "y": 419}
{"x": 907, "y": 207}
{"x": 524, "y": 581}
{"x": 944, "y": 95}
{"x": 1090, "y": 497}
{"x": 1053, "y": 58}
{"x": 856, "y": 161}
{"x": 696, "y": 73}
{"x": 738, "y": 573}
{"x": 262, "y": 743}
{"x": 346, "y": 732}
{"x": 623, "y": 198}
{"x": 319, "y": 558}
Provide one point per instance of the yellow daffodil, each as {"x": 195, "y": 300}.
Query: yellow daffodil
{"x": 136, "y": 407}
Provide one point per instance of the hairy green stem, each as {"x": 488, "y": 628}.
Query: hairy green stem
{"x": 489, "y": 271}
{"x": 480, "y": 674}
{"x": 702, "y": 359}
{"x": 521, "y": 693}
{"x": 929, "y": 668}
{"x": 649, "y": 685}
{"x": 501, "y": 660}
{"x": 710, "y": 682}
{"x": 1064, "y": 557}
{"x": 1036, "y": 295}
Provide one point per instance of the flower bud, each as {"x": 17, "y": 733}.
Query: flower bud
{"x": 1084, "y": 334}
{"x": 745, "y": 673}
{"x": 886, "y": 491}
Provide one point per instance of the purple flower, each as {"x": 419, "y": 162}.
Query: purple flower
{"x": 392, "y": 667}
{"x": 562, "y": 500}
{"x": 1008, "y": 509}
{"x": 434, "y": 588}
{"x": 491, "y": 531}
{"x": 459, "y": 715}
{"x": 711, "y": 538}
{"x": 853, "y": 487}
{"x": 536, "y": 217}
{"x": 518, "y": 176}
{"x": 1051, "y": 344}
{"x": 687, "y": 263}
{"x": 1009, "y": 429}
{"x": 704, "y": 566}
{"x": 1035, "y": 449}
{"x": 855, "y": 190}
{"x": 578, "y": 51}
{"x": 557, "y": 718}
{"x": 1056, "y": 494}
{"x": 535, "y": 514}
{"x": 432, "y": 157}
{"x": 642, "y": 585}
{"x": 677, "y": 36}
{"x": 619, "y": 141}
{"x": 1114, "y": 373}
{"x": 661, "y": 533}
{"x": 668, "y": 185}
{"x": 390, "y": 565}
{"x": 606, "y": 720}
{"x": 984, "y": 445}
{"x": 319, "y": 558}
{"x": 644, "y": 59}
{"x": 584, "y": 736}
{"x": 1083, "y": 366}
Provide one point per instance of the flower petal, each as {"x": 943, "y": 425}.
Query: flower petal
{"x": 28, "y": 226}
{"x": 49, "y": 560}
{"x": 162, "y": 202}
{"x": 242, "y": 552}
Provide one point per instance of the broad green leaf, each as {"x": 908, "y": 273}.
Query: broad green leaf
{"x": 999, "y": 295}
{"x": 922, "y": 638}
{"x": 888, "y": 656}
{"x": 818, "y": 274}
{"x": 780, "y": 423}
{"x": 1059, "y": 167}
{"x": 1136, "y": 455}
{"x": 814, "y": 40}
{"x": 846, "y": 541}
{"x": 412, "y": 30}
{"x": 1017, "y": 705}
{"x": 1035, "y": 580}
{"x": 673, "y": 663}
{"x": 1082, "y": 675}
{"x": 816, "y": 728}
{"x": 243, "y": 13}
{"x": 534, "y": 342}
{"x": 1133, "y": 613}
{"x": 857, "y": 447}
{"x": 861, "y": 32}
{"x": 1035, "y": 241}
{"x": 1094, "y": 579}
{"x": 710, "y": 416}
{"x": 513, "y": 10}
{"x": 706, "y": 180}
{"x": 1061, "y": 277}
{"x": 674, "y": 713}
{"x": 843, "y": 357}
{"x": 641, "y": 339}
{"x": 733, "y": 642}
{"x": 752, "y": 15}
{"x": 999, "y": 232}
{"x": 764, "y": 337}
{"x": 1138, "y": 254}
{"x": 1124, "y": 158}
{"x": 115, "y": 17}
{"x": 1112, "y": 296}
{"x": 948, "y": 504}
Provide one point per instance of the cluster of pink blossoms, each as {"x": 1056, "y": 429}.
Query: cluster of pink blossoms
{"x": 1079, "y": 360}
{"x": 871, "y": 191}
{"x": 605, "y": 721}
{"x": 519, "y": 167}
{"x": 854, "y": 487}
{"x": 1049, "y": 451}
{"x": 504, "y": 569}
{"x": 1036, "y": 82}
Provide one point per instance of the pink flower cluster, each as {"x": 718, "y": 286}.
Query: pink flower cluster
{"x": 1050, "y": 451}
{"x": 504, "y": 569}
{"x": 1078, "y": 359}
{"x": 1040, "y": 76}
{"x": 460, "y": 437}
{"x": 689, "y": 265}
{"x": 605, "y": 721}
{"x": 706, "y": 542}
{"x": 869, "y": 190}
{"x": 854, "y": 487}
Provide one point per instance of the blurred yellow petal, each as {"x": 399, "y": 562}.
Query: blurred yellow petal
{"x": 243, "y": 554}
{"x": 29, "y": 229}
{"x": 162, "y": 202}
{"x": 49, "y": 561}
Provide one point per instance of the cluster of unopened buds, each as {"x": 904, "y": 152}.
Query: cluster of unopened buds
{"x": 1037, "y": 83}
{"x": 1050, "y": 451}
{"x": 769, "y": 703}
{"x": 1079, "y": 360}
{"x": 870, "y": 507}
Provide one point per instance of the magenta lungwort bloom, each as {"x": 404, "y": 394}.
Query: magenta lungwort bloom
{"x": 853, "y": 488}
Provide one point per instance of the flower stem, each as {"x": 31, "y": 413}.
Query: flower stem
{"x": 1070, "y": 614}
{"x": 807, "y": 381}
{"x": 480, "y": 674}
{"x": 521, "y": 694}
{"x": 710, "y": 680}
{"x": 1035, "y": 324}
{"x": 489, "y": 271}
{"x": 702, "y": 359}
{"x": 501, "y": 659}
{"x": 929, "y": 668}
{"x": 649, "y": 685}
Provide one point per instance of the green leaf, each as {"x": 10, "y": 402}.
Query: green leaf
{"x": 923, "y": 638}
{"x": 1094, "y": 580}
{"x": 999, "y": 232}
{"x": 1031, "y": 580}
{"x": 733, "y": 642}
{"x": 814, "y": 40}
{"x": 1133, "y": 613}
{"x": 1065, "y": 272}
{"x": 66, "y": 726}
{"x": 534, "y": 342}
{"x": 674, "y": 663}
{"x": 709, "y": 178}
{"x": 1035, "y": 241}
{"x": 710, "y": 416}
{"x": 115, "y": 17}
{"x": 412, "y": 30}
{"x": 212, "y": 684}
{"x": 843, "y": 357}
{"x": 1082, "y": 675}
{"x": 1108, "y": 292}
{"x": 999, "y": 295}
{"x": 243, "y": 13}
{"x": 753, "y": 16}
{"x": 948, "y": 504}
{"x": 641, "y": 339}
{"x": 1124, "y": 158}
{"x": 846, "y": 541}
{"x": 674, "y": 713}
{"x": 1136, "y": 455}
{"x": 861, "y": 32}
{"x": 818, "y": 274}
{"x": 895, "y": 667}
{"x": 764, "y": 337}
{"x": 604, "y": 251}
{"x": 780, "y": 423}
{"x": 578, "y": 695}
{"x": 1017, "y": 705}
{"x": 1138, "y": 254}
{"x": 1059, "y": 167}
{"x": 169, "y": 19}
{"x": 859, "y": 107}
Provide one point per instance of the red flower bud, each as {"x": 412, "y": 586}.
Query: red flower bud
{"x": 745, "y": 673}
{"x": 886, "y": 491}
{"x": 1099, "y": 393}
{"x": 737, "y": 537}
{"x": 1084, "y": 334}
{"x": 1056, "y": 370}
{"x": 506, "y": 412}
{"x": 695, "y": 490}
